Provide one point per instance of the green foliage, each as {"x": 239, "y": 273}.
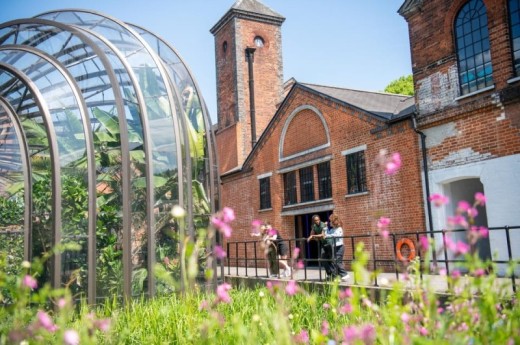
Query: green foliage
{"x": 11, "y": 211}
{"x": 401, "y": 86}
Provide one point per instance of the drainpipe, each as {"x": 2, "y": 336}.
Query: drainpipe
{"x": 250, "y": 58}
{"x": 426, "y": 182}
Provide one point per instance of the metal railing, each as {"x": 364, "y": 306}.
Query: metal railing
{"x": 244, "y": 256}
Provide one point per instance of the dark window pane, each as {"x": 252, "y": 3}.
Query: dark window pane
{"x": 265, "y": 193}
{"x": 289, "y": 180}
{"x": 514, "y": 24}
{"x": 472, "y": 39}
{"x": 324, "y": 181}
{"x": 356, "y": 174}
{"x": 306, "y": 184}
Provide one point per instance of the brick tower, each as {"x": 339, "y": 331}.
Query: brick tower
{"x": 248, "y": 56}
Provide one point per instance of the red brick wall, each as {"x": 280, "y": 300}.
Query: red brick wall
{"x": 307, "y": 126}
{"x": 398, "y": 197}
{"x": 233, "y": 79}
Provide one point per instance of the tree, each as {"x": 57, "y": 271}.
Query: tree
{"x": 401, "y": 86}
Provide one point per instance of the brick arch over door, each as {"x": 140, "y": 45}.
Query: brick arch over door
{"x": 304, "y": 131}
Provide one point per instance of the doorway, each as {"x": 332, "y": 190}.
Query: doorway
{"x": 303, "y": 224}
{"x": 465, "y": 190}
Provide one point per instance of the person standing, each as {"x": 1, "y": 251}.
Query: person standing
{"x": 270, "y": 250}
{"x": 318, "y": 232}
{"x": 336, "y": 233}
{"x": 282, "y": 248}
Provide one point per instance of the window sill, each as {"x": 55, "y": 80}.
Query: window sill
{"x": 513, "y": 80}
{"x": 307, "y": 203}
{"x": 475, "y": 92}
{"x": 265, "y": 209}
{"x": 354, "y": 195}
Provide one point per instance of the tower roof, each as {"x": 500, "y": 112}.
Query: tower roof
{"x": 252, "y": 10}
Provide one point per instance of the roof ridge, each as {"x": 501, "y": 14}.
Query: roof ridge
{"x": 367, "y": 91}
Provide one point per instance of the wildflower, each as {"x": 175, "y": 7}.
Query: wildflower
{"x": 30, "y": 282}
{"x": 423, "y": 331}
{"x": 203, "y": 305}
{"x": 346, "y": 309}
{"x": 462, "y": 248}
{"x": 383, "y": 223}
{"x": 261, "y": 294}
{"x": 26, "y": 264}
{"x": 350, "y": 334}
{"x": 325, "y": 327}
{"x": 296, "y": 253}
{"x": 300, "y": 265}
{"x": 463, "y": 206}
{"x": 291, "y": 288}
{"x": 255, "y": 226}
{"x": 385, "y": 233}
{"x": 219, "y": 252}
{"x": 393, "y": 164}
{"x": 326, "y": 306}
{"x": 222, "y": 226}
{"x": 423, "y": 240}
{"x": 71, "y": 337}
{"x": 479, "y": 272}
{"x": 368, "y": 334}
{"x": 405, "y": 317}
{"x": 222, "y": 292}
{"x": 346, "y": 293}
{"x": 302, "y": 337}
{"x": 62, "y": 303}
{"x": 103, "y": 325}
{"x": 228, "y": 215}
{"x": 439, "y": 199}
{"x": 45, "y": 321}
{"x": 177, "y": 212}
{"x": 472, "y": 212}
{"x": 456, "y": 274}
{"x": 453, "y": 221}
{"x": 480, "y": 199}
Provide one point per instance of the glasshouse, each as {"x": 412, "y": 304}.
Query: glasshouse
{"x": 103, "y": 131}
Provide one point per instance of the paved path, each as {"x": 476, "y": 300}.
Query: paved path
{"x": 384, "y": 280}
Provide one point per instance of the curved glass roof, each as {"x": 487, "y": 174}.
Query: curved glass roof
{"x": 102, "y": 130}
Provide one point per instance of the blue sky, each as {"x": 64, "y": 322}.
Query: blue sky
{"x": 358, "y": 44}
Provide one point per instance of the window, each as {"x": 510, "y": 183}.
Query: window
{"x": 514, "y": 24}
{"x": 289, "y": 182}
{"x": 265, "y": 193}
{"x": 356, "y": 175}
{"x": 259, "y": 41}
{"x": 306, "y": 184}
{"x": 473, "y": 54}
{"x": 324, "y": 182}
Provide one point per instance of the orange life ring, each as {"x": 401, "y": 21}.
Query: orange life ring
{"x": 410, "y": 245}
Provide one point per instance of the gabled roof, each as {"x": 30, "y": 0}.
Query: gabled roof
{"x": 250, "y": 9}
{"x": 385, "y": 106}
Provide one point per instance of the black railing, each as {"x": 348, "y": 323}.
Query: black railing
{"x": 243, "y": 256}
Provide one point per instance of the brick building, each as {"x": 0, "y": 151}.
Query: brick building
{"x": 466, "y": 68}
{"x": 291, "y": 150}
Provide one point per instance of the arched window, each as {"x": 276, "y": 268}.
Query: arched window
{"x": 473, "y": 54}
{"x": 514, "y": 26}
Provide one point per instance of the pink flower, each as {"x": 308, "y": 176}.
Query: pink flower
{"x": 423, "y": 331}
{"x": 325, "y": 327}
{"x": 454, "y": 221}
{"x": 405, "y": 317}
{"x": 300, "y": 265}
{"x": 456, "y": 274}
{"x": 346, "y": 309}
{"x": 347, "y": 293}
{"x": 483, "y": 231}
{"x": 326, "y": 306}
{"x": 222, "y": 293}
{"x": 255, "y": 226}
{"x": 166, "y": 261}
{"x": 350, "y": 334}
{"x": 221, "y": 226}
{"x": 479, "y": 272}
{"x": 45, "y": 321}
{"x": 439, "y": 199}
{"x": 385, "y": 233}
{"x": 272, "y": 232}
{"x": 393, "y": 164}
{"x": 462, "y": 248}
{"x": 228, "y": 215}
{"x": 62, "y": 303}
{"x": 71, "y": 337}
{"x": 291, "y": 288}
{"x": 219, "y": 252}
{"x": 425, "y": 243}
{"x": 203, "y": 305}
{"x": 103, "y": 325}
{"x": 463, "y": 206}
{"x": 368, "y": 334}
{"x": 472, "y": 212}
{"x": 302, "y": 337}
{"x": 30, "y": 282}
{"x": 383, "y": 222}
{"x": 296, "y": 253}
{"x": 480, "y": 199}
